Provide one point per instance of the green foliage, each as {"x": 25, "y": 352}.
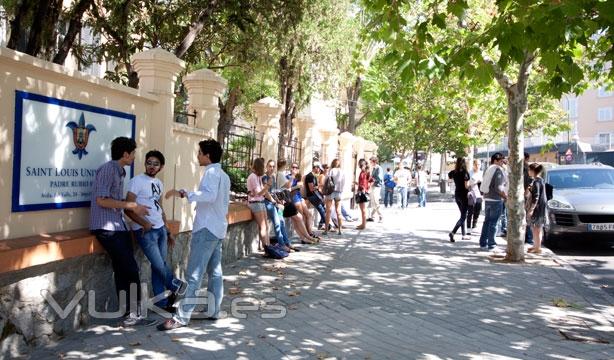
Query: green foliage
{"x": 236, "y": 161}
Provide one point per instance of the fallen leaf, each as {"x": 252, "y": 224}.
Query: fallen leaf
{"x": 605, "y": 286}
{"x": 294, "y": 293}
{"x": 275, "y": 288}
{"x": 234, "y": 291}
{"x": 262, "y": 336}
{"x": 242, "y": 273}
{"x": 293, "y": 307}
{"x": 175, "y": 339}
{"x": 560, "y": 303}
{"x": 136, "y": 343}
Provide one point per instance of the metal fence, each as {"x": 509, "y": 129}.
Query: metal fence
{"x": 241, "y": 146}
{"x": 292, "y": 151}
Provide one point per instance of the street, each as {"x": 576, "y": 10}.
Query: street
{"x": 595, "y": 260}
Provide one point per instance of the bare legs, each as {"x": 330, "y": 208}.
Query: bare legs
{"x": 299, "y": 227}
{"x": 329, "y": 204}
{"x": 537, "y": 239}
{"x": 363, "y": 216}
{"x": 304, "y": 211}
{"x": 263, "y": 227}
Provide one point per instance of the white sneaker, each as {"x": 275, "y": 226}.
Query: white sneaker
{"x": 133, "y": 320}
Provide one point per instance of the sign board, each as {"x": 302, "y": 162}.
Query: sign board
{"x": 58, "y": 146}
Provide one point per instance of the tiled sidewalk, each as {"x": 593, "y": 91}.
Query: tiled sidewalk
{"x": 398, "y": 290}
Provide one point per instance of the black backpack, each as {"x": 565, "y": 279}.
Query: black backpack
{"x": 329, "y": 186}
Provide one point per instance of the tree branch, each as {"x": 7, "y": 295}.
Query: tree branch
{"x": 525, "y": 69}
{"x": 502, "y": 79}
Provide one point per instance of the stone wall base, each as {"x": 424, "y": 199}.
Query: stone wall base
{"x": 27, "y": 297}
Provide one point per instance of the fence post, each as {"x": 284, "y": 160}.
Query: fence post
{"x": 158, "y": 70}
{"x": 306, "y": 126}
{"x": 346, "y": 142}
{"x": 267, "y": 114}
{"x": 205, "y": 87}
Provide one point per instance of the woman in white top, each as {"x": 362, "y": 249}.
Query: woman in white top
{"x": 337, "y": 177}
{"x": 474, "y": 196}
{"x": 255, "y": 199}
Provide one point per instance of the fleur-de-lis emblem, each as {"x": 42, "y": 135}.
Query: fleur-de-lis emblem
{"x": 80, "y": 135}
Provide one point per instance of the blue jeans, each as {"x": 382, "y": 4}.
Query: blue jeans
{"x": 502, "y": 225}
{"x": 205, "y": 255}
{"x": 314, "y": 199}
{"x": 279, "y": 224}
{"x": 155, "y": 246}
{"x": 492, "y": 212}
{"x": 388, "y": 195}
{"x": 528, "y": 236}
{"x": 422, "y": 197}
{"x": 403, "y": 193}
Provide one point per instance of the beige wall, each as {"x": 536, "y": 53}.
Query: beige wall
{"x": 23, "y": 72}
{"x": 588, "y": 125}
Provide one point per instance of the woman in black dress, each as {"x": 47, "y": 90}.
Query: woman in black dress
{"x": 460, "y": 175}
{"x": 535, "y": 203}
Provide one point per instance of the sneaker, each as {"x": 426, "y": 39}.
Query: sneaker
{"x": 483, "y": 248}
{"x": 136, "y": 320}
{"x": 170, "y": 324}
{"x": 180, "y": 289}
{"x": 492, "y": 247}
{"x": 451, "y": 236}
{"x": 381, "y": 219}
{"x": 370, "y": 219}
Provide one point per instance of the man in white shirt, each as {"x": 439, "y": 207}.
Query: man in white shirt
{"x": 402, "y": 177}
{"x": 208, "y": 232}
{"x": 151, "y": 232}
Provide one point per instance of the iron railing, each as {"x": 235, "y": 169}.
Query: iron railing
{"x": 182, "y": 117}
{"x": 241, "y": 146}
{"x": 292, "y": 151}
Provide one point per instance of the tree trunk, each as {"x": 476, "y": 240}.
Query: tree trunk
{"x": 42, "y": 31}
{"x": 517, "y": 105}
{"x": 74, "y": 28}
{"x": 226, "y": 113}
{"x": 286, "y": 87}
{"x": 353, "y": 93}
{"x": 18, "y": 39}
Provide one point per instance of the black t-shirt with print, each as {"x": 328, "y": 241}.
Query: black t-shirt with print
{"x": 459, "y": 178}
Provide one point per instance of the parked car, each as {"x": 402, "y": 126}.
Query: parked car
{"x": 582, "y": 202}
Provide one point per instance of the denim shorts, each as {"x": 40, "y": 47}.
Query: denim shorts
{"x": 336, "y": 195}
{"x": 256, "y": 207}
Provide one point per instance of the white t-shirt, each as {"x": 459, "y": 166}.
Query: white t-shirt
{"x": 423, "y": 180}
{"x": 148, "y": 192}
{"x": 338, "y": 178}
{"x": 402, "y": 176}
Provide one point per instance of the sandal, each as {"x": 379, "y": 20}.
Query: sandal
{"x": 360, "y": 227}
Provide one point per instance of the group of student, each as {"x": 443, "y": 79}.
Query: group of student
{"x": 472, "y": 188}
{"x": 143, "y": 206}
{"x": 278, "y": 194}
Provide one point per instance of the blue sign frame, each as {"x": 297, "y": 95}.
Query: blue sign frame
{"x": 20, "y": 96}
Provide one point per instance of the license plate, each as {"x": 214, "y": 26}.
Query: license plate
{"x": 601, "y": 227}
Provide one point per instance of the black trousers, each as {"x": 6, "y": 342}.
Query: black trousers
{"x": 473, "y": 212}
{"x": 118, "y": 245}
{"x": 463, "y": 205}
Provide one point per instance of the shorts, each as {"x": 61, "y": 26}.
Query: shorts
{"x": 336, "y": 195}
{"x": 290, "y": 210}
{"x": 256, "y": 207}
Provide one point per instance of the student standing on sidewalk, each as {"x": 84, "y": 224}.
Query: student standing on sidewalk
{"x": 362, "y": 196}
{"x": 256, "y": 190}
{"x": 528, "y": 236}
{"x": 461, "y": 183}
{"x": 107, "y": 224}
{"x": 151, "y": 232}
{"x": 208, "y": 232}
{"x": 536, "y": 206}
{"x": 493, "y": 187}
{"x": 422, "y": 183}
{"x": 402, "y": 177}
{"x": 474, "y": 196}
{"x": 389, "y": 185}
{"x": 377, "y": 179}
{"x": 338, "y": 179}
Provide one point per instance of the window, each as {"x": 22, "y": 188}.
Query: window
{"x": 570, "y": 104}
{"x": 605, "y": 114}
{"x": 604, "y": 139}
{"x": 603, "y": 92}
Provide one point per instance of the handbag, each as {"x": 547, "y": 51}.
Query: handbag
{"x": 417, "y": 191}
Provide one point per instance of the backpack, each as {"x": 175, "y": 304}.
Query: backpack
{"x": 275, "y": 252}
{"x": 329, "y": 186}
